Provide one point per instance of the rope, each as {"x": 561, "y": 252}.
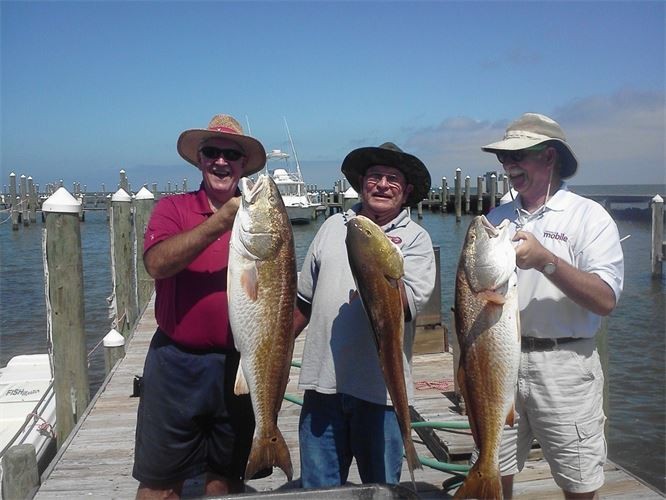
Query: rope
{"x": 44, "y": 428}
{"x": 441, "y": 385}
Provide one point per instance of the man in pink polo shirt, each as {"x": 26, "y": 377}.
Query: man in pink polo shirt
{"x": 189, "y": 421}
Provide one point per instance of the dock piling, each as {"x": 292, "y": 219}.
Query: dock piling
{"x": 20, "y": 476}
{"x": 63, "y": 264}
{"x": 114, "y": 349}
{"x": 122, "y": 262}
{"x": 458, "y": 195}
{"x": 143, "y": 206}
{"x": 658, "y": 243}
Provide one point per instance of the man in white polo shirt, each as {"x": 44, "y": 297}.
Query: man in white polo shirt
{"x": 571, "y": 271}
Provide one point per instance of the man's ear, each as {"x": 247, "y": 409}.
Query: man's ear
{"x": 408, "y": 190}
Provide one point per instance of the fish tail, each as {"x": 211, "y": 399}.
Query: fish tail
{"x": 413, "y": 461}
{"x": 480, "y": 484}
{"x": 267, "y": 451}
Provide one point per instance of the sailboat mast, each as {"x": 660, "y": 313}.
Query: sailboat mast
{"x": 293, "y": 149}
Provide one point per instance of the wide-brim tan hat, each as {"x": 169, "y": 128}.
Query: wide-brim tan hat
{"x": 357, "y": 162}
{"x": 228, "y": 127}
{"x": 532, "y": 129}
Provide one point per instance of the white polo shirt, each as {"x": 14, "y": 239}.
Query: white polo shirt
{"x": 579, "y": 231}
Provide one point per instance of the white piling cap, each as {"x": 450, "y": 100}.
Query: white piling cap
{"x": 121, "y": 195}
{"x": 657, "y": 199}
{"x": 113, "y": 339}
{"x": 62, "y": 202}
{"x": 144, "y": 194}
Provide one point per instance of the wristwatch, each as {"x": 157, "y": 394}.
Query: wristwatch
{"x": 550, "y": 267}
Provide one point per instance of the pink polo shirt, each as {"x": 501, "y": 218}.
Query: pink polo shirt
{"x": 191, "y": 307}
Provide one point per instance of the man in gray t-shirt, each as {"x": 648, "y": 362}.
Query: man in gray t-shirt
{"x": 346, "y": 409}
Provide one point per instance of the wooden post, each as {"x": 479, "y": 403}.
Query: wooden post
{"x": 657, "y": 249}
{"x": 25, "y": 216}
{"x": 467, "y": 193}
{"x": 20, "y": 476}
{"x": 445, "y": 195}
{"x": 492, "y": 192}
{"x": 65, "y": 305}
{"x": 114, "y": 349}
{"x": 479, "y": 195}
{"x": 12, "y": 200}
{"x": 458, "y": 195}
{"x": 143, "y": 206}
{"x": 419, "y": 210}
{"x": 122, "y": 262}
{"x": 505, "y": 184}
{"x": 124, "y": 183}
{"x": 32, "y": 200}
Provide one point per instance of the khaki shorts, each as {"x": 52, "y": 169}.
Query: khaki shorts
{"x": 560, "y": 404}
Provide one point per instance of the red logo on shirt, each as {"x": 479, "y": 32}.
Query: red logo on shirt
{"x": 395, "y": 239}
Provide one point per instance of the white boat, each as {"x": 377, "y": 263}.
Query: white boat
{"x": 300, "y": 204}
{"x": 301, "y": 208}
{"x": 27, "y": 406}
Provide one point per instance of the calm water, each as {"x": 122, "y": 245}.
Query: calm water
{"x": 636, "y": 329}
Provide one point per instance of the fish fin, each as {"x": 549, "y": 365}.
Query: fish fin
{"x": 250, "y": 283}
{"x": 393, "y": 282}
{"x": 511, "y": 417}
{"x": 492, "y": 296}
{"x": 267, "y": 451}
{"x": 240, "y": 385}
{"x": 481, "y": 484}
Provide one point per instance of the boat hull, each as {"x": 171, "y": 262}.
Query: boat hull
{"x": 27, "y": 406}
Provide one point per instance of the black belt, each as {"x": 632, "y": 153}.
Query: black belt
{"x": 537, "y": 344}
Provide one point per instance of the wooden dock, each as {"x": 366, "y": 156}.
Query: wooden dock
{"x": 96, "y": 460}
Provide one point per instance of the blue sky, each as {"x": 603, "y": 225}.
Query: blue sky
{"x": 90, "y": 88}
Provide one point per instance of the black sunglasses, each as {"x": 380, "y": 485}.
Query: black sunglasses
{"x": 516, "y": 156}
{"x": 213, "y": 153}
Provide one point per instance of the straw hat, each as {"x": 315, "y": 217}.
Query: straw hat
{"x": 357, "y": 162}
{"x": 532, "y": 129}
{"x": 228, "y": 127}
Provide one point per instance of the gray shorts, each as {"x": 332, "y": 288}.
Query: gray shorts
{"x": 559, "y": 403}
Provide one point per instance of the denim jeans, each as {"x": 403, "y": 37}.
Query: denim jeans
{"x": 334, "y": 428}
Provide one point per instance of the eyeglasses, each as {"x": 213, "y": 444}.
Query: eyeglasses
{"x": 516, "y": 156}
{"x": 213, "y": 153}
{"x": 393, "y": 181}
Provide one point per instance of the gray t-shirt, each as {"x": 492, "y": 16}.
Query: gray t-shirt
{"x": 340, "y": 354}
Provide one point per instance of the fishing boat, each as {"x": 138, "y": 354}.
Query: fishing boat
{"x": 300, "y": 204}
{"x": 27, "y": 406}
{"x": 301, "y": 208}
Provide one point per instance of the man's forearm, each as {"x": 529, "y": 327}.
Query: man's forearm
{"x": 171, "y": 256}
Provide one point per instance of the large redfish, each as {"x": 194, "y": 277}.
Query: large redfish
{"x": 261, "y": 283}
{"x": 377, "y": 266}
{"x": 488, "y": 329}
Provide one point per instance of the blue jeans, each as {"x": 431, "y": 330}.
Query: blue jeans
{"x": 334, "y": 428}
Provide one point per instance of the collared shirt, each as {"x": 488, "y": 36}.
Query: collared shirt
{"x": 580, "y": 232}
{"x": 340, "y": 355}
{"x": 191, "y": 306}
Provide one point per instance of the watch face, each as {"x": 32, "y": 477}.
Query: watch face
{"x": 549, "y": 268}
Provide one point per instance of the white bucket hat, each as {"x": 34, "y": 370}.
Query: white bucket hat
{"x": 532, "y": 129}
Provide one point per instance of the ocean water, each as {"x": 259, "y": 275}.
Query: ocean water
{"x": 636, "y": 329}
